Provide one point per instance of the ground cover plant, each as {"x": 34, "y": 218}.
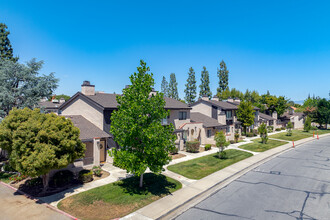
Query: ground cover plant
{"x": 204, "y": 166}
{"x": 120, "y": 198}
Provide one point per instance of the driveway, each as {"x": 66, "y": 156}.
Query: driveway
{"x": 294, "y": 185}
{"x": 14, "y": 206}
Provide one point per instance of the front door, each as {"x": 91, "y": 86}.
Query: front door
{"x": 102, "y": 151}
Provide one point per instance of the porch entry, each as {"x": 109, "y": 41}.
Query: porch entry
{"x": 102, "y": 151}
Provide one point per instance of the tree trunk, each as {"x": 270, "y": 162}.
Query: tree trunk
{"x": 45, "y": 181}
{"x": 141, "y": 181}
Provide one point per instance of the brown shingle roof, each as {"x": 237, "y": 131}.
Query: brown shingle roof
{"x": 266, "y": 117}
{"x": 237, "y": 104}
{"x": 88, "y": 130}
{"x": 48, "y": 104}
{"x": 206, "y": 120}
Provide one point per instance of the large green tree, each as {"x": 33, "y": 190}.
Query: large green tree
{"x": 245, "y": 114}
{"x": 205, "y": 84}
{"x": 223, "y": 77}
{"x": 136, "y": 127}
{"x": 22, "y": 86}
{"x": 6, "y": 50}
{"x": 322, "y": 112}
{"x": 191, "y": 87}
{"x": 38, "y": 143}
{"x": 164, "y": 87}
{"x": 173, "y": 87}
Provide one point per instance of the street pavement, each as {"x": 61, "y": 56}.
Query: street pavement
{"x": 14, "y": 206}
{"x": 294, "y": 185}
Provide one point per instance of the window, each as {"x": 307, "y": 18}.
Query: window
{"x": 164, "y": 121}
{"x": 209, "y": 133}
{"x": 228, "y": 114}
{"x": 182, "y": 115}
{"x": 228, "y": 129}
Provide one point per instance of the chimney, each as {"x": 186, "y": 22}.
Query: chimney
{"x": 153, "y": 92}
{"x": 237, "y": 100}
{"x": 230, "y": 99}
{"x": 62, "y": 100}
{"x": 87, "y": 88}
{"x": 215, "y": 98}
{"x": 205, "y": 97}
{"x": 274, "y": 114}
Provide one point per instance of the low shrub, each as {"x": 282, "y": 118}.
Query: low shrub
{"x": 97, "y": 171}
{"x": 17, "y": 177}
{"x": 249, "y": 134}
{"x": 34, "y": 182}
{"x": 223, "y": 155}
{"x": 283, "y": 128}
{"x": 278, "y": 129}
{"x": 7, "y": 168}
{"x": 232, "y": 142}
{"x": 270, "y": 129}
{"x": 61, "y": 178}
{"x": 192, "y": 146}
{"x": 85, "y": 176}
{"x": 174, "y": 151}
{"x": 207, "y": 147}
{"x": 314, "y": 128}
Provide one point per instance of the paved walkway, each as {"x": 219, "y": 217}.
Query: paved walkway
{"x": 15, "y": 206}
{"x": 196, "y": 191}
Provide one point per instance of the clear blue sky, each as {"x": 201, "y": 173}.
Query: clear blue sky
{"x": 280, "y": 46}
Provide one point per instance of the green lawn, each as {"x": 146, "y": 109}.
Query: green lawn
{"x": 298, "y": 135}
{"x": 4, "y": 177}
{"x": 204, "y": 166}
{"x": 257, "y": 146}
{"x": 118, "y": 199}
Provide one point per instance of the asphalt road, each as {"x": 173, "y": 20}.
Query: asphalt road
{"x": 14, "y": 206}
{"x": 294, "y": 185}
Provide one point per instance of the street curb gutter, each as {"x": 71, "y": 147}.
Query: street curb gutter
{"x": 39, "y": 201}
{"x": 174, "y": 212}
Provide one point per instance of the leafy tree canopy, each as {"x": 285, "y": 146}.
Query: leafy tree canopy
{"x": 223, "y": 74}
{"x": 191, "y": 87}
{"x": 245, "y": 114}
{"x": 38, "y": 143}
{"x": 205, "y": 84}
{"x": 173, "y": 87}
{"x": 58, "y": 97}
{"x": 136, "y": 127}
{"x": 164, "y": 87}
{"x": 6, "y": 50}
{"x": 22, "y": 86}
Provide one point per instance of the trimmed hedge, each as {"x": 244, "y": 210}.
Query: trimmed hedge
{"x": 232, "y": 142}
{"x": 192, "y": 146}
{"x": 85, "y": 176}
{"x": 278, "y": 129}
{"x": 207, "y": 147}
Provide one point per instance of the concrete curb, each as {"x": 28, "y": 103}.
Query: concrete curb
{"x": 171, "y": 213}
{"x": 38, "y": 200}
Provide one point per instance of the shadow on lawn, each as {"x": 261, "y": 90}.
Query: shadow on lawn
{"x": 155, "y": 184}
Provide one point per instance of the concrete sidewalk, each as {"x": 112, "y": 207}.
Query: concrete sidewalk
{"x": 169, "y": 206}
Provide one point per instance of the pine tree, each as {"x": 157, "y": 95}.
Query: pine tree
{"x": 223, "y": 77}
{"x": 164, "y": 87}
{"x": 6, "y": 51}
{"x": 173, "y": 87}
{"x": 191, "y": 87}
{"x": 205, "y": 84}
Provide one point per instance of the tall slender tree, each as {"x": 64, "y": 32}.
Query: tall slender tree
{"x": 164, "y": 87}
{"x": 6, "y": 51}
{"x": 223, "y": 77}
{"x": 205, "y": 84}
{"x": 191, "y": 87}
{"x": 173, "y": 87}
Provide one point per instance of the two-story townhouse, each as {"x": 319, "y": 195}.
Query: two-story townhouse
{"x": 297, "y": 118}
{"x": 221, "y": 112}
{"x": 97, "y": 107}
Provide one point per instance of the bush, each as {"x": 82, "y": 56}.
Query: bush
{"x": 223, "y": 155}
{"x": 174, "y": 151}
{"x": 7, "y": 168}
{"x": 85, "y": 176}
{"x": 278, "y": 129}
{"x": 207, "y": 147}
{"x": 283, "y": 128}
{"x": 192, "y": 146}
{"x": 249, "y": 134}
{"x": 61, "y": 178}
{"x": 270, "y": 129}
{"x": 17, "y": 177}
{"x": 232, "y": 142}
{"x": 314, "y": 128}
{"x": 97, "y": 171}
{"x": 307, "y": 124}
{"x": 236, "y": 136}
